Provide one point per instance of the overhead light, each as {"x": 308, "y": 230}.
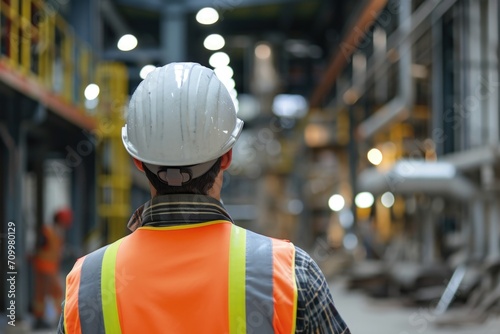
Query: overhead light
{"x": 91, "y": 91}
{"x": 350, "y": 96}
{"x": 207, "y": 15}
{"x": 219, "y": 59}
{"x": 229, "y": 83}
{"x": 146, "y": 70}
{"x": 233, "y": 93}
{"x": 419, "y": 71}
{"x": 214, "y": 42}
{"x": 224, "y": 72}
{"x": 295, "y": 206}
{"x": 350, "y": 241}
{"x": 387, "y": 199}
{"x": 364, "y": 200}
{"x": 336, "y": 202}
{"x": 249, "y": 107}
{"x": 346, "y": 218}
{"x": 263, "y": 51}
{"x": 290, "y": 105}
{"x": 375, "y": 156}
{"x": 316, "y": 135}
{"x": 127, "y": 42}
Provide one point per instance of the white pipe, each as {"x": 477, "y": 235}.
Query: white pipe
{"x": 474, "y": 158}
{"x": 492, "y": 90}
{"x": 410, "y": 177}
{"x": 493, "y": 230}
{"x": 478, "y": 231}
{"x": 395, "y": 110}
{"x": 428, "y": 234}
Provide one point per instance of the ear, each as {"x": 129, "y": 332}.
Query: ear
{"x": 138, "y": 164}
{"x": 226, "y": 160}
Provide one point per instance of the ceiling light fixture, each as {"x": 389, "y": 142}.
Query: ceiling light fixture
{"x": 219, "y": 59}
{"x": 207, "y": 16}
{"x": 146, "y": 70}
{"x": 91, "y": 91}
{"x": 214, "y": 42}
{"x": 224, "y": 73}
{"x": 127, "y": 42}
{"x": 375, "y": 156}
{"x": 229, "y": 83}
{"x": 263, "y": 51}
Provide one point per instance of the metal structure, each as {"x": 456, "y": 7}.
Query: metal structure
{"x": 426, "y": 90}
{"x": 47, "y": 130}
{"x": 114, "y": 176}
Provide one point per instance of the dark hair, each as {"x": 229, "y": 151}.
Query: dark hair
{"x": 200, "y": 185}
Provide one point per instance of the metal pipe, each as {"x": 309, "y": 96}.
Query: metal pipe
{"x": 405, "y": 78}
{"x": 428, "y": 235}
{"x": 474, "y": 158}
{"x": 410, "y": 177}
{"x": 398, "y": 108}
{"x": 394, "y": 110}
{"x": 439, "y": 8}
{"x": 437, "y": 82}
{"x": 492, "y": 74}
{"x": 474, "y": 124}
{"x": 493, "y": 229}
{"x": 355, "y": 35}
{"x": 478, "y": 231}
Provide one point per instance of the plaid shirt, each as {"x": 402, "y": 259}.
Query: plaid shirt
{"x": 316, "y": 312}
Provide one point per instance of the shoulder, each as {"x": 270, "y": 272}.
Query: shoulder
{"x": 306, "y": 268}
{"x": 316, "y": 311}
{"x": 92, "y": 261}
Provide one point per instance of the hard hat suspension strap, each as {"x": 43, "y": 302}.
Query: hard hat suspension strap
{"x": 177, "y": 176}
{"x": 174, "y": 176}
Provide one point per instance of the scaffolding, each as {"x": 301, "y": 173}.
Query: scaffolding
{"x": 43, "y": 59}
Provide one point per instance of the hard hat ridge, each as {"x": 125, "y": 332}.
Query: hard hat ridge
{"x": 180, "y": 115}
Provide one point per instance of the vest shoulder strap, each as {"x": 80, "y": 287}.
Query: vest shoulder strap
{"x": 90, "y": 305}
{"x": 262, "y": 287}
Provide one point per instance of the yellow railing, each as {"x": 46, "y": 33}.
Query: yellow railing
{"x": 41, "y": 45}
{"x": 114, "y": 180}
{"x": 37, "y": 44}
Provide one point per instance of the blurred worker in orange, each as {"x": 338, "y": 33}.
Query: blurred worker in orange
{"x": 46, "y": 263}
{"x": 187, "y": 268}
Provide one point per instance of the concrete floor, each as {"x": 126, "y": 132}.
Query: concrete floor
{"x": 365, "y": 315}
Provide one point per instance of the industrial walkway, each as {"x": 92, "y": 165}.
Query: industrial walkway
{"x": 369, "y": 316}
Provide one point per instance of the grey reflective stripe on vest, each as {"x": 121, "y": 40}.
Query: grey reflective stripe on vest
{"x": 89, "y": 294}
{"x": 259, "y": 284}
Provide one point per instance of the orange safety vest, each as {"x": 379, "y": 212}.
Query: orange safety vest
{"x": 48, "y": 257}
{"x": 230, "y": 281}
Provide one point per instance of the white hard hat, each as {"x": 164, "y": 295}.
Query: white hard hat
{"x": 180, "y": 115}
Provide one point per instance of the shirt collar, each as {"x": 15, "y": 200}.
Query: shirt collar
{"x": 178, "y": 209}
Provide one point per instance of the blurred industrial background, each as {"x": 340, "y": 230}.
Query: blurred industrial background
{"x": 371, "y": 139}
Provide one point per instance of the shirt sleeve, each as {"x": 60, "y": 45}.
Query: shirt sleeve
{"x": 316, "y": 312}
{"x": 60, "y": 325}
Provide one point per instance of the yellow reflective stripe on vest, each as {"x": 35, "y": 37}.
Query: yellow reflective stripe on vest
{"x": 237, "y": 252}
{"x": 108, "y": 289}
{"x": 261, "y": 274}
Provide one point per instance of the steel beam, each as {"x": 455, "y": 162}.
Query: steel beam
{"x": 193, "y": 5}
